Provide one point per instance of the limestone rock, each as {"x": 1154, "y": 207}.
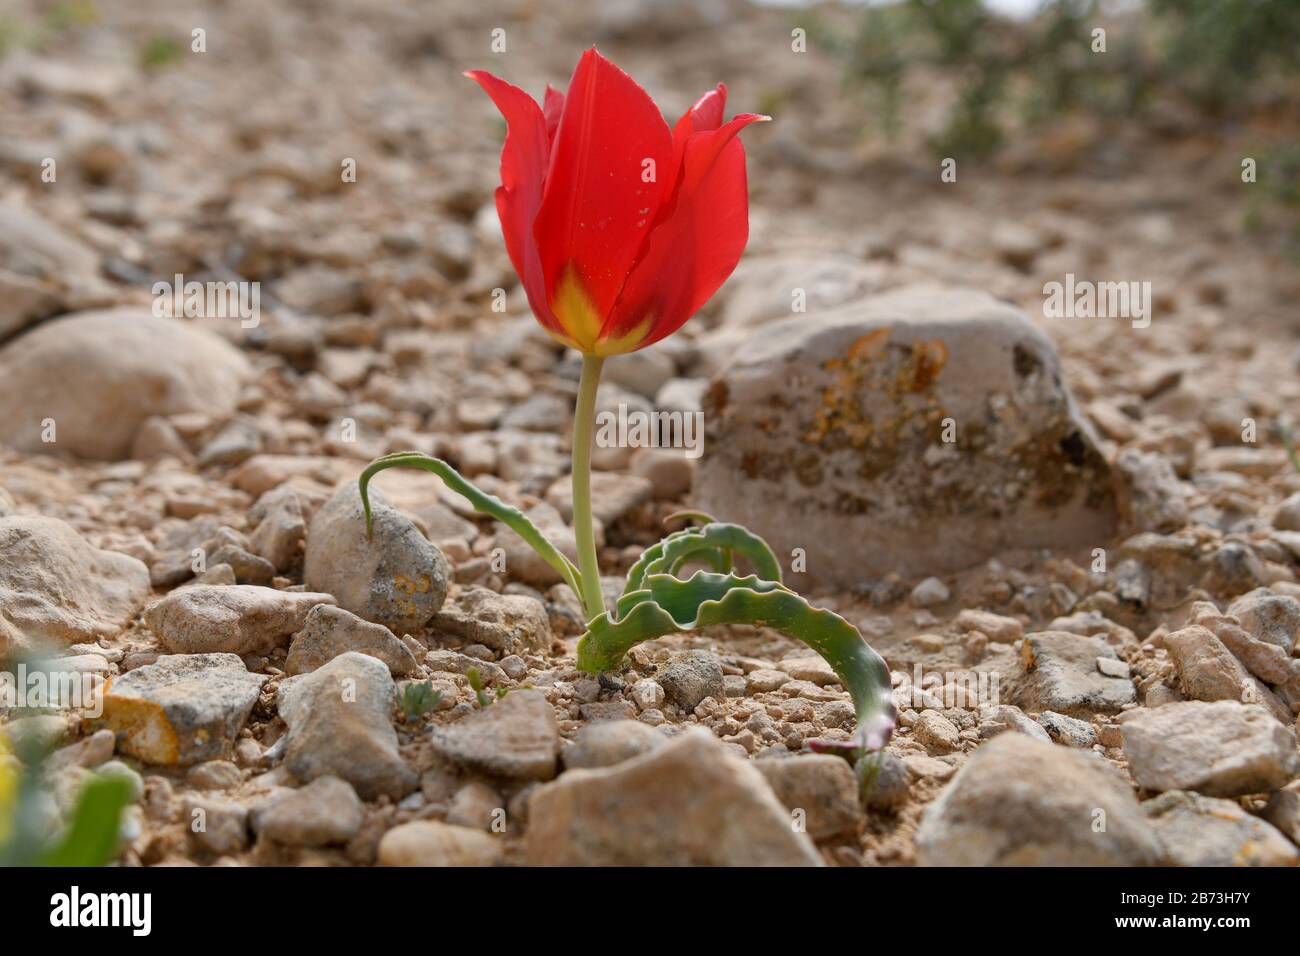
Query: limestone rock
{"x": 329, "y": 631}
{"x": 508, "y": 623}
{"x": 515, "y": 738}
{"x": 430, "y": 843}
{"x": 237, "y": 619}
{"x": 1204, "y": 831}
{"x": 835, "y": 423}
{"x": 393, "y": 577}
{"x": 100, "y": 374}
{"x": 609, "y": 742}
{"x": 1061, "y": 673}
{"x": 690, "y": 677}
{"x": 181, "y": 710}
{"x": 325, "y": 811}
{"x": 40, "y": 265}
{"x": 822, "y": 786}
{"x": 339, "y": 725}
{"x": 56, "y": 589}
{"x": 688, "y": 803}
{"x": 1221, "y": 749}
{"x": 1021, "y": 802}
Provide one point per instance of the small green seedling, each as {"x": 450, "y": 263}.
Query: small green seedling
{"x": 418, "y": 698}
{"x": 481, "y": 694}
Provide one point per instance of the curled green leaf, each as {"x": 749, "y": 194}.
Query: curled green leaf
{"x": 483, "y": 502}
{"x": 717, "y": 543}
{"x": 665, "y": 605}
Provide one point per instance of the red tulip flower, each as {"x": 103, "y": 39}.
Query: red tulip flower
{"x": 619, "y": 227}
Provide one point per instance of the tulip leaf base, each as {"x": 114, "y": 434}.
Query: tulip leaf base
{"x": 657, "y": 602}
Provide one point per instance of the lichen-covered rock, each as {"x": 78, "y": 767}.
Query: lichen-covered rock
{"x": 836, "y": 426}
{"x": 393, "y": 576}
{"x": 56, "y": 589}
{"x": 182, "y": 709}
{"x": 237, "y": 619}
{"x": 1020, "y": 802}
{"x": 98, "y": 375}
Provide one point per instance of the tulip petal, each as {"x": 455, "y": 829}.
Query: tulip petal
{"x": 552, "y": 107}
{"x": 598, "y": 206}
{"x": 524, "y": 157}
{"x": 693, "y": 248}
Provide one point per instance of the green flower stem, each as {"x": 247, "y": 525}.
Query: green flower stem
{"x": 584, "y": 420}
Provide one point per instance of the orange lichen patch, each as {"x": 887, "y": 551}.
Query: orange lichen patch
{"x": 142, "y": 728}
{"x": 421, "y": 585}
{"x": 404, "y": 585}
{"x": 928, "y": 360}
{"x": 872, "y": 364}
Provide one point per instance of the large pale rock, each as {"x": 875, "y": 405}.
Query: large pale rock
{"x": 516, "y": 738}
{"x": 56, "y": 589}
{"x": 238, "y": 619}
{"x": 183, "y": 709}
{"x": 394, "y": 576}
{"x": 835, "y": 425}
{"x": 1222, "y": 749}
{"x": 340, "y": 724}
{"x": 1021, "y": 802}
{"x": 40, "y": 266}
{"x": 687, "y": 803}
{"x": 100, "y": 374}
{"x": 1204, "y": 831}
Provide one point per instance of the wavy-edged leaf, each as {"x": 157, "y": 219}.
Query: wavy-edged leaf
{"x": 483, "y": 502}
{"x": 666, "y": 605}
{"x": 717, "y": 543}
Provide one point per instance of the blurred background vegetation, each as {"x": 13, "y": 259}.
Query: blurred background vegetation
{"x": 1173, "y": 66}
{"x": 1216, "y": 56}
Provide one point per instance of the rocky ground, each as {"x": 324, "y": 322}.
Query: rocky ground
{"x": 1075, "y": 541}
